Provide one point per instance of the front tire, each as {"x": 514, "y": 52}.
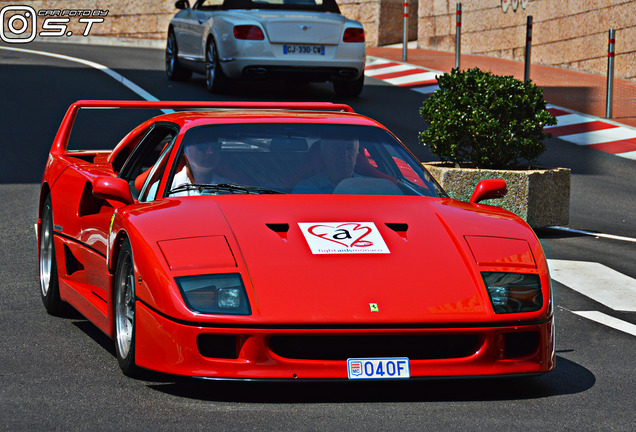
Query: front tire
{"x": 174, "y": 70}
{"x": 124, "y": 311}
{"x": 215, "y": 79}
{"x": 49, "y": 281}
{"x": 349, "y": 88}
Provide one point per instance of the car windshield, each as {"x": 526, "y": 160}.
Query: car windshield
{"x": 312, "y": 5}
{"x": 296, "y": 158}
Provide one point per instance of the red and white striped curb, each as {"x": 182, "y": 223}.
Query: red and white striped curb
{"x": 593, "y": 132}
{"x": 581, "y": 129}
{"x": 401, "y": 74}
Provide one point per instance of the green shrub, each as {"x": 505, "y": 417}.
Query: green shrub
{"x": 484, "y": 119}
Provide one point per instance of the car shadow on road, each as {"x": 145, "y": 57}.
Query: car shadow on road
{"x": 92, "y": 331}
{"x": 567, "y": 378}
{"x": 263, "y": 90}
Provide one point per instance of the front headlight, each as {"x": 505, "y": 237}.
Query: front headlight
{"x": 222, "y": 293}
{"x": 513, "y": 292}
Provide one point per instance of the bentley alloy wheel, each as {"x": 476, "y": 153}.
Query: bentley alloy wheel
{"x": 214, "y": 77}
{"x": 174, "y": 70}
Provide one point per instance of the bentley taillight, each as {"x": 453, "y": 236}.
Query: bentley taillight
{"x": 353, "y": 34}
{"x": 248, "y": 32}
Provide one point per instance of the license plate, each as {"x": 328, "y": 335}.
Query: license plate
{"x": 304, "y": 49}
{"x": 378, "y": 368}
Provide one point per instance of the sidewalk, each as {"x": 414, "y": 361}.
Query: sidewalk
{"x": 577, "y": 99}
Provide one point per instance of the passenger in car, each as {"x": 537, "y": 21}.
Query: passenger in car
{"x": 339, "y": 157}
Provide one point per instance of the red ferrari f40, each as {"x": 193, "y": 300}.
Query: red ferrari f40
{"x": 286, "y": 241}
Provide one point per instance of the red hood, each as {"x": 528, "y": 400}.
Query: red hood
{"x": 429, "y": 274}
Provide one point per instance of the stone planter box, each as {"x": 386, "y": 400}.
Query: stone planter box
{"x": 539, "y": 196}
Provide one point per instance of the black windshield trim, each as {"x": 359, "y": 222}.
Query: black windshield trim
{"x": 229, "y": 187}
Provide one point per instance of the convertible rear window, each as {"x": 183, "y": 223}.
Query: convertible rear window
{"x": 296, "y": 158}
{"x": 312, "y": 5}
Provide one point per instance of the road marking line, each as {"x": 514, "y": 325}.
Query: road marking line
{"x": 594, "y": 234}
{"x": 596, "y": 281}
{"x": 123, "y": 80}
{"x": 609, "y": 321}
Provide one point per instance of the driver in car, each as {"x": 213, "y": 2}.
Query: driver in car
{"x": 200, "y": 159}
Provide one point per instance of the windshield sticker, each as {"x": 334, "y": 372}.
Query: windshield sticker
{"x": 343, "y": 238}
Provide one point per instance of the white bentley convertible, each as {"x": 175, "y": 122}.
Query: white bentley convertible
{"x": 308, "y": 40}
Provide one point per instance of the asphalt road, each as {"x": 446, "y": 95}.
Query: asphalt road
{"x": 61, "y": 374}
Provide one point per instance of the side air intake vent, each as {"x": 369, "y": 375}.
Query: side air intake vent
{"x": 72, "y": 264}
{"x": 89, "y": 205}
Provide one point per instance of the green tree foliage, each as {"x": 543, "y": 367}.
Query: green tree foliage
{"x": 487, "y": 120}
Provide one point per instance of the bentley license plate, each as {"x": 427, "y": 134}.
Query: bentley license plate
{"x": 378, "y": 368}
{"x": 304, "y": 49}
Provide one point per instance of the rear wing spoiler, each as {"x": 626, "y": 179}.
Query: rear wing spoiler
{"x": 60, "y": 143}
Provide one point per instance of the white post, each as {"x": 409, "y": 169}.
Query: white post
{"x": 458, "y": 33}
{"x": 405, "y": 39}
{"x": 526, "y": 77}
{"x": 610, "y": 73}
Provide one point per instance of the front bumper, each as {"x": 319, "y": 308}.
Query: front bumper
{"x": 253, "y": 353}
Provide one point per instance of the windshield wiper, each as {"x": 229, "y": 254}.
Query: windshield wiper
{"x": 225, "y": 187}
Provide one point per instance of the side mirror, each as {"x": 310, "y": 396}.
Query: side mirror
{"x": 113, "y": 188}
{"x": 182, "y": 4}
{"x": 489, "y": 189}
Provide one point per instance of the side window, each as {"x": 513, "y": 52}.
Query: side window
{"x": 151, "y": 185}
{"x": 146, "y": 154}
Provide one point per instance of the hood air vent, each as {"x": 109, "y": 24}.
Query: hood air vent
{"x": 400, "y": 228}
{"x": 280, "y": 229}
